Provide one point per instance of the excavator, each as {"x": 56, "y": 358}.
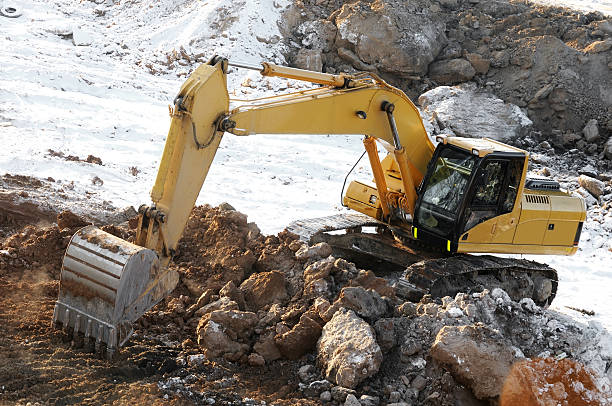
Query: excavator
{"x": 429, "y": 210}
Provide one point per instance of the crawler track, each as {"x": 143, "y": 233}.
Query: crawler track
{"x": 371, "y": 244}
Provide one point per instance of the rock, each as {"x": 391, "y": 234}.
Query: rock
{"x": 385, "y": 334}
{"x": 391, "y": 36}
{"x": 347, "y": 350}
{"x": 448, "y": 72}
{"x": 309, "y": 59}
{"x": 469, "y": 113}
{"x": 224, "y": 303}
{"x": 594, "y": 186}
{"x": 315, "y": 388}
{"x": 256, "y": 360}
{"x": 350, "y": 57}
{"x": 301, "y": 339}
{"x": 590, "y": 131}
{"x": 588, "y": 197}
{"x": 608, "y": 149}
{"x": 407, "y": 309}
{"x": 551, "y": 382}
{"x": 233, "y": 293}
{"x": 81, "y": 37}
{"x": 351, "y": 400}
{"x": 476, "y": 355}
{"x": 68, "y": 219}
{"x": 215, "y": 342}
{"x": 306, "y": 373}
{"x": 367, "y": 400}
{"x": 368, "y": 280}
{"x": 266, "y": 347}
{"x": 264, "y": 288}
{"x": 366, "y": 303}
{"x": 237, "y": 322}
{"x": 480, "y": 64}
{"x": 325, "y": 396}
{"x": 598, "y": 46}
{"x": 500, "y": 59}
{"x": 316, "y": 278}
{"x": 320, "y": 250}
{"x": 452, "y": 51}
{"x": 394, "y": 397}
{"x": 339, "y": 393}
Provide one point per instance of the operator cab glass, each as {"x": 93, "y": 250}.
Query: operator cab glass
{"x": 443, "y": 191}
{"x": 491, "y": 197}
{"x": 461, "y": 190}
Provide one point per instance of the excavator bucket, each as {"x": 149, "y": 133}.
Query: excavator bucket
{"x": 106, "y": 284}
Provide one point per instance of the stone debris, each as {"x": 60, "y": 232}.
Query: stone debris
{"x": 348, "y": 351}
{"x": 466, "y": 112}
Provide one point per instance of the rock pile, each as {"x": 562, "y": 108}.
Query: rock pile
{"x": 553, "y": 63}
{"x": 355, "y": 342}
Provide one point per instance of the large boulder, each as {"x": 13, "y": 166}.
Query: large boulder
{"x": 546, "y": 381}
{"x": 347, "y": 350}
{"x": 466, "y": 112}
{"x": 398, "y": 37}
{"x": 264, "y": 288}
{"x": 477, "y": 356}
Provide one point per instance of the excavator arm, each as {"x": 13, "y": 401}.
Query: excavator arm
{"x": 107, "y": 283}
{"x": 353, "y": 105}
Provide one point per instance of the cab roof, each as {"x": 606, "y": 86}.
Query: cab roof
{"x": 484, "y": 146}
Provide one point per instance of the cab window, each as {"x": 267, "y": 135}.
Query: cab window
{"x": 495, "y": 189}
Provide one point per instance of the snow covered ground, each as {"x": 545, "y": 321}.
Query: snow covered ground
{"x": 604, "y": 6}
{"x": 99, "y": 98}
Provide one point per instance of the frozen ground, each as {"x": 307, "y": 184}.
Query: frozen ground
{"x": 101, "y": 99}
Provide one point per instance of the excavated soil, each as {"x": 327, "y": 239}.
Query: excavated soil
{"x": 39, "y": 364}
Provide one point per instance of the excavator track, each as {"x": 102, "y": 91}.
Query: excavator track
{"x": 373, "y": 245}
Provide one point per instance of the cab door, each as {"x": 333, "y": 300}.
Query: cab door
{"x": 489, "y": 217}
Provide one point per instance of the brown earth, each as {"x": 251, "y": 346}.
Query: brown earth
{"x": 38, "y": 363}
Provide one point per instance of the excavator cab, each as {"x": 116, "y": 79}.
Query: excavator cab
{"x": 474, "y": 198}
{"x": 462, "y": 189}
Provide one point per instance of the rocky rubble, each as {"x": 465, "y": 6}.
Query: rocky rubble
{"x": 353, "y": 341}
{"x": 553, "y": 64}
{"x": 331, "y": 332}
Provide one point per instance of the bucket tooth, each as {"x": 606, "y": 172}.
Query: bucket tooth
{"x": 67, "y": 320}
{"x": 106, "y": 285}
{"x": 77, "y": 324}
{"x": 55, "y": 315}
{"x": 88, "y": 329}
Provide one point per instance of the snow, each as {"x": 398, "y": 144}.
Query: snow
{"x": 102, "y": 99}
{"x": 603, "y": 6}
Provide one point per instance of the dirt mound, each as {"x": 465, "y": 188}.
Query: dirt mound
{"x": 259, "y": 318}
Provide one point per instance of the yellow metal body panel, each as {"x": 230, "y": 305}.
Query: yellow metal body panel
{"x": 516, "y": 249}
{"x": 329, "y": 110}
{"x": 534, "y": 220}
{"x": 363, "y": 198}
{"x": 184, "y": 166}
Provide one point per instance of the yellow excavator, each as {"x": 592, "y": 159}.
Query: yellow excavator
{"x": 427, "y": 206}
